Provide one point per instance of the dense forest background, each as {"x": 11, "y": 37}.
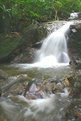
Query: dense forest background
{"x": 14, "y": 13}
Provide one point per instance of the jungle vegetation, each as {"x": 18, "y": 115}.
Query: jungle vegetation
{"x": 16, "y": 12}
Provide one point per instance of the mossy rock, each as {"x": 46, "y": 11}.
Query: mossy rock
{"x": 8, "y": 43}
{"x": 15, "y": 44}
{"x": 34, "y": 33}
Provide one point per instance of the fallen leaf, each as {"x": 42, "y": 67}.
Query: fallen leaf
{"x": 67, "y": 82}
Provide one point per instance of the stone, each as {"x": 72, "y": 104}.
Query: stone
{"x": 74, "y": 43}
{"x": 3, "y": 74}
{"x": 23, "y": 51}
{"x": 74, "y": 30}
{"x": 14, "y": 80}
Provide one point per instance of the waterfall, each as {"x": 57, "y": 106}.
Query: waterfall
{"x": 53, "y": 52}
{"x": 54, "y": 48}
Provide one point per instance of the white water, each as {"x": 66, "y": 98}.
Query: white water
{"x": 53, "y": 52}
{"x": 54, "y": 48}
{"x": 74, "y": 15}
{"x": 49, "y": 108}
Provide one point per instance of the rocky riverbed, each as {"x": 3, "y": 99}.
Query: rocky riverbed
{"x": 35, "y": 84}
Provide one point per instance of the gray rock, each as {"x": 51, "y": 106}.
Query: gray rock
{"x": 3, "y": 74}
{"x": 74, "y": 43}
{"x": 14, "y": 80}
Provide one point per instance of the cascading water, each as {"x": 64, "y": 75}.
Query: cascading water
{"x": 54, "y": 50}
{"x": 56, "y": 45}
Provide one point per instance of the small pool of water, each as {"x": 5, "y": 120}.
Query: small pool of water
{"x": 55, "y": 72}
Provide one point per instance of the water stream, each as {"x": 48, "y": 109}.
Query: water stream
{"x": 52, "y": 61}
{"x": 54, "y": 52}
{"x": 54, "y": 48}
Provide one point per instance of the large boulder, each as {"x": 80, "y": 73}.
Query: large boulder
{"x": 74, "y": 44}
{"x": 32, "y": 35}
{"x": 23, "y": 51}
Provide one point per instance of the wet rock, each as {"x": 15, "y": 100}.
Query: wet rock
{"x": 53, "y": 25}
{"x": 42, "y": 89}
{"x": 34, "y": 92}
{"x": 12, "y": 78}
{"x": 17, "y": 85}
{"x": 74, "y": 110}
{"x": 52, "y": 88}
{"x": 77, "y": 90}
{"x": 16, "y": 89}
{"x": 32, "y": 34}
{"x": 25, "y": 41}
{"x": 3, "y": 74}
{"x": 37, "y": 45}
{"x": 75, "y": 37}
{"x": 73, "y": 62}
{"x": 78, "y": 63}
{"x": 21, "y": 76}
{"x": 13, "y": 81}
{"x": 55, "y": 88}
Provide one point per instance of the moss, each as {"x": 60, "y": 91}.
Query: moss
{"x": 16, "y": 47}
{"x": 8, "y": 43}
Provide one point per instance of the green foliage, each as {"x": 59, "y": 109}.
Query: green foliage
{"x": 4, "y": 12}
{"x": 37, "y": 10}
